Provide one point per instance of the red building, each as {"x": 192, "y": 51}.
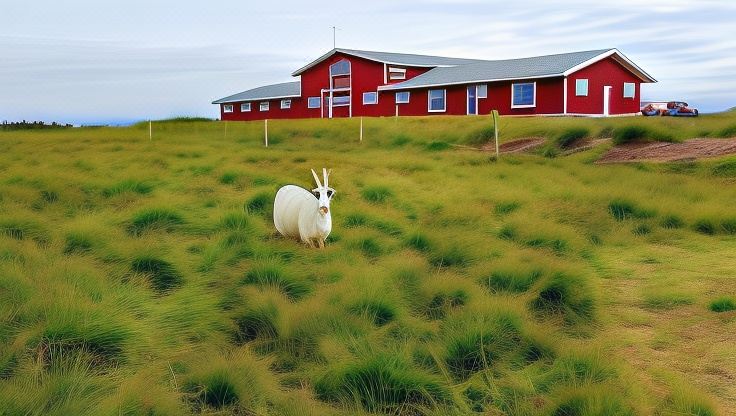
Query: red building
{"x": 350, "y": 83}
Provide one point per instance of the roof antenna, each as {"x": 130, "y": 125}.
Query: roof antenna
{"x": 334, "y": 37}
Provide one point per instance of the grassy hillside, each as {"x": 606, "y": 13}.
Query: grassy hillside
{"x": 145, "y": 277}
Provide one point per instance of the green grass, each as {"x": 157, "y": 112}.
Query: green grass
{"x": 145, "y": 276}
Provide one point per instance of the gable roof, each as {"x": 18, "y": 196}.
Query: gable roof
{"x": 405, "y": 59}
{"x": 513, "y": 69}
{"x": 268, "y": 92}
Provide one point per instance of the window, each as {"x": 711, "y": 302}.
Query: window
{"x": 483, "y": 91}
{"x": 285, "y": 104}
{"x": 396, "y": 73}
{"x": 437, "y": 100}
{"x": 264, "y": 106}
{"x": 227, "y": 108}
{"x": 402, "y": 97}
{"x": 245, "y": 107}
{"x": 314, "y": 102}
{"x": 629, "y": 90}
{"x": 340, "y": 100}
{"x": 340, "y": 68}
{"x": 370, "y": 98}
{"x": 581, "y": 87}
{"x": 523, "y": 95}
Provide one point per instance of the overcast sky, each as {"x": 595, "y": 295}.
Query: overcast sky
{"x": 97, "y": 61}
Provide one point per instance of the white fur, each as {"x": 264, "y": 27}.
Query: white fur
{"x": 297, "y": 213}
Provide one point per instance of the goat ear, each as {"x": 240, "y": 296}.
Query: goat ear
{"x": 316, "y": 178}
{"x": 324, "y": 175}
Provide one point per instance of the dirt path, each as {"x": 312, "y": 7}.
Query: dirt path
{"x": 670, "y": 152}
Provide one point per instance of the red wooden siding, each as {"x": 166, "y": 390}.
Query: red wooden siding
{"x": 602, "y": 73}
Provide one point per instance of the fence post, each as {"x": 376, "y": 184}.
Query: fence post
{"x": 495, "y": 131}
{"x": 266, "y": 131}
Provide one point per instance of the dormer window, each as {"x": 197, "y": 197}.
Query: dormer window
{"x": 396, "y": 73}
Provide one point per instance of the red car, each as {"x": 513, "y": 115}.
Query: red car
{"x": 672, "y": 108}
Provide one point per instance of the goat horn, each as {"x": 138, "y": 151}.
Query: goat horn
{"x": 316, "y": 178}
{"x": 324, "y": 174}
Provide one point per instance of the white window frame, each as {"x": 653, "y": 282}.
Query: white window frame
{"x": 310, "y": 99}
{"x": 481, "y": 91}
{"x": 245, "y": 107}
{"x": 227, "y": 108}
{"x": 534, "y": 96}
{"x": 264, "y": 106}
{"x": 633, "y": 90}
{"x": 444, "y": 101}
{"x": 395, "y": 74}
{"x": 579, "y": 91}
{"x": 285, "y": 104}
{"x": 349, "y": 100}
{"x": 408, "y": 97}
{"x": 365, "y": 94}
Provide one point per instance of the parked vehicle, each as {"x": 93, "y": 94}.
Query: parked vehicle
{"x": 671, "y": 108}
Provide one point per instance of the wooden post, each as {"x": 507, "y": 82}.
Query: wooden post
{"x": 495, "y": 130}
{"x": 361, "y": 129}
{"x": 266, "y": 130}
{"x": 397, "y": 110}
{"x": 150, "y": 130}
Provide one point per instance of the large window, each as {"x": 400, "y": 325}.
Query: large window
{"x": 629, "y": 90}
{"x": 402, "y": 97}
{"x": 245, "y": 107}
{"x": 340, "y": 100}
{"x": 264, "y": 106}
{"x": 340, "y": 68}
{"x": 285, "y": 104}
{"x": 370, "y": 98}
{"x": 581, "y": 87}
{"x": 437, "y": 100}
{"x": 314, "y": 102}
{"x": 523, "y": 95}
{"x": 227, "y": 108}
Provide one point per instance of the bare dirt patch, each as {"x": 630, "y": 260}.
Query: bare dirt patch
{"x": 670, "y": 152}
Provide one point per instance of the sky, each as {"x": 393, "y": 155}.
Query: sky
{"x": 111, "y": 61}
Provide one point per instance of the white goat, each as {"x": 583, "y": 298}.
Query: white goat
{"x": 298, "y": 213}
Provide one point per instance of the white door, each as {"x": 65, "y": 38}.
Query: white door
{"x": 606, "y": 100}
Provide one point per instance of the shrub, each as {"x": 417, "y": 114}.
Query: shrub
{"x": 383, "y": 383}
{"x": 570, "y": 136}
{"x": 508, "y": 281}
{"x": 162, "y": 274}
{"x": 622, "y": 209}
{"x": 130, "y": 185}
{"x": 672, "y": 222}
{"x": 271, "y": 275}
{"x": 157, "y": 218}
{"x": 723, "y": 304}
{"x": 261, "y": 203}
{"x": 376, "y": 194}
{"x": 568, "y": 296}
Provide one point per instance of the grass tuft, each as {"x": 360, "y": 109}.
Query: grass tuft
{"x": 566, "y": 295}
{"x": 672, "y": 222}
{"x": 163, "y": 275}
{"x": 260, "y": 322}
{"x": 215, "y": 390}
{"x": 571, "y": 136}
{"x": 376, "y": 194}
{"x": 622, "y": 209}
{"x": 636, "y": 133}
{"x": 128, "y": 186}
{"x": 511, "y": 281}
{"x": 380, "y": 312}
{"x": 260, "y": 204}
{"x": 154, "y": 219}
{"x": 77, "y": 242}
{"x": 274, "y": 275}
{"x": 723, "y": 304}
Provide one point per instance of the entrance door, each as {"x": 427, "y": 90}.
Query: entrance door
{"x": 606, "y": 100}
{"x": 473, "y": 100}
